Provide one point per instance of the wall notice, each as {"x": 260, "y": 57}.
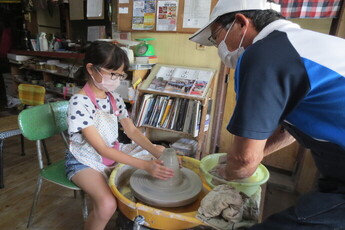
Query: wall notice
{"x": 196, "y": 13}
{"x": 144, "y": 14}
{"x": 166, "y": 15}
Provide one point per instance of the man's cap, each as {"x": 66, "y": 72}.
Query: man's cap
{"x": 229, "y": 6}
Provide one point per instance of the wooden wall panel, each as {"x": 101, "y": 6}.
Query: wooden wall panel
{"x": 125, "y": 20}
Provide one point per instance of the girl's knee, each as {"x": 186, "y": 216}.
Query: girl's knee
{"x": 107, "y": 206}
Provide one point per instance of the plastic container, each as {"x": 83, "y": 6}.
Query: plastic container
{"x": 185, "y": 147}
{"x": 248, "y": 185}
{"x": 43, "y": 42}
{"x": 17, "y": 57}
{"x": 51, "y": 65}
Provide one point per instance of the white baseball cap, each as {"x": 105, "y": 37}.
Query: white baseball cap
{"x": 228, "y": 6}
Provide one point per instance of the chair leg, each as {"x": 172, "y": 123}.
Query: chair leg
{"x": 1, "y": 165}
{"x": 22, "y": 144}
{"x": 34, "y": 203}
{"x": 84, "y": 205}
{"x": 46, "y": 152}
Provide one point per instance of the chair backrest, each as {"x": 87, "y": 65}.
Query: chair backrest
{"x": 60, "y": 114}
{"x": 37, "y": 123}
{"x": 31, "y": 94}
{"x": 59, "y": 109}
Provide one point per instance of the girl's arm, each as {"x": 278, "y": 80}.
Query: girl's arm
{"x": 138, "y": 137}
{"x": 154, "y": 167}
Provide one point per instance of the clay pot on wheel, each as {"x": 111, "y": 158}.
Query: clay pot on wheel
{"x": 182, "y": 189}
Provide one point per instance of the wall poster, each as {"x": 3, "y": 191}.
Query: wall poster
{"x": 144, "y": 12}
{"x": 167, "y": 15}
{"x": 196, "y": 13}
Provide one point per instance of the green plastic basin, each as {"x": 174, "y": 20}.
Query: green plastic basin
{"x": 248, "y": 185}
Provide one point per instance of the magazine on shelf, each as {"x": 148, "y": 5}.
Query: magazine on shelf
{"x": 179, "y": 80}
{"x": 161, "y": 79}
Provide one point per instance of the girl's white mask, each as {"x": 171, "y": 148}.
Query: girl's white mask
{"x": 229, "y": 58}
{"x": 107, "y": 84}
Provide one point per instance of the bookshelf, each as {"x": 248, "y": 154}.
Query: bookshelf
{"x": 176, "y": 99}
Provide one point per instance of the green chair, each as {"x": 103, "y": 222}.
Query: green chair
{"x": 41, "y": 122}
{"x": 60, "y": 114}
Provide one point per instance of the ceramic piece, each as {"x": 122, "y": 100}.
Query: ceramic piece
{"x": 180, "y": 190}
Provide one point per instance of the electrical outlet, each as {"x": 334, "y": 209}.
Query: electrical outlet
{"x": 200, "y": 47}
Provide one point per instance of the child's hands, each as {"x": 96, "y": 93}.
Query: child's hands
{"x": 158, "y": 170}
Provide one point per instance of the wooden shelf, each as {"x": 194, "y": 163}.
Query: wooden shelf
{"x": 168, "y": 130}
{"x": 50, "y": 72}
{"x": 66, "y": 55}
{"x": 188, "y": 96}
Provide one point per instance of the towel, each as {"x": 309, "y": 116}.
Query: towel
{"x": 225, "y": 208}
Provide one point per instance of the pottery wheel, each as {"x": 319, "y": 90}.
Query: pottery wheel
{"x": 160, "y": 193}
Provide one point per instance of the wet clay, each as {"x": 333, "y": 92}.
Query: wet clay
{"x": 180, "y": 190}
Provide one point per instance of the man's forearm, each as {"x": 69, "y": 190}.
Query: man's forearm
{"x": 243, "y": 157}
{"x": 279, "y": 139}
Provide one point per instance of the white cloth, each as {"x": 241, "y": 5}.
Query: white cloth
{"x": 225, "y": 208}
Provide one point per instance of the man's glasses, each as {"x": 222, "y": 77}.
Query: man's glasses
{"x": 114, "y": 76}
{"x": 213, "y": 37}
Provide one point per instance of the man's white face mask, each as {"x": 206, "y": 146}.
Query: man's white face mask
{"x": 229, "y": 58}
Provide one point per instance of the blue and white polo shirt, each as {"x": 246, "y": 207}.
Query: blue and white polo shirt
{"x": 291, "y": 76}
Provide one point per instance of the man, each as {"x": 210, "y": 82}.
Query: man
{"x": 289, "y": 85}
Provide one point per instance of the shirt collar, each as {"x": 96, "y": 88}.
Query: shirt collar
{"x": 280, "y": 24}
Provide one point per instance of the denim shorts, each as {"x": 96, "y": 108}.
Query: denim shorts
{"x": 72, "y": 165}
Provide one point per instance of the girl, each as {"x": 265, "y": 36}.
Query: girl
{"x": 93, "y": 117}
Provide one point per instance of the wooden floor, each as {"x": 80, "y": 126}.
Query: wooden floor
{"x": 57, "y": 208}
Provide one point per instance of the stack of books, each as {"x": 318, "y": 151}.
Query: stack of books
{"x": 180, "y": 114}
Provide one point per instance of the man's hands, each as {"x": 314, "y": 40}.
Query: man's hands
{"x": 156, "y": 169}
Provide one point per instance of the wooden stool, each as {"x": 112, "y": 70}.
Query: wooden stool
{"x": 8, "y": 128}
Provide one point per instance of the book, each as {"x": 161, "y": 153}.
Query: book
{"x": 161, "y": 79}
{"x": 179, "y": 80}
{"x": 182, "y": 114}
{"x": 149, "y": 112}
{"x": 160, "y": 110}
{"x": 200, "y": 85}
{"x": 208, "y": 115}
{"x": 178, "y": 85}
{"x": 172, "y": 123}
{"x": 166, "y": 112}
{"x": 154, "y": 111}
{"x": 170, "y": 115}
{"x": 194, "y": 129}
{"x": 188, "y": 119}
{"x": 158, "y": 84}
{"x": 143, "y": 109}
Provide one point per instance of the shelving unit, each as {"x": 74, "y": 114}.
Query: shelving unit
{"x": 17, "y": 68}
{"x": 204, "y": 100}
{"x": 48, "y": 78}
{"x": 57, "y": 55}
